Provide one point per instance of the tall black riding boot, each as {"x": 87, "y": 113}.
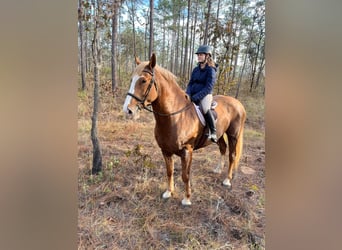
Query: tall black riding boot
{"x": 209, "y": 118}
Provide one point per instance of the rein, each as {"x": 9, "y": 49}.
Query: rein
{"x": 173, "y": 113}
{"x": 142, "y": 101}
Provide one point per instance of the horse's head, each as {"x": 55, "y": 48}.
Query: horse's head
{"x": 143, "y": 89}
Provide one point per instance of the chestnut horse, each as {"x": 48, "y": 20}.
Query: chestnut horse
{"x": 178, "y": 129}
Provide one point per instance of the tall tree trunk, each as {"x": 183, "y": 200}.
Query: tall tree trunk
{"x": 235, "y": 56}
{"x": 82, "y": 62}
{"x": 191, "y": 50}
{"x": 116, "y": 6}
{"x": 185, "y": 68}
{"x": 173, "y": 38}
{"x": 151, "y": 28}
{"x": 237, "y": 28}
{"x": 181, "y": 59}
{"x": 97, "y": 157}
{"x": 206, "y": 30}
{"x": 217, "y": 24}
{"x": 193, "y": 38}
{"x": 164, "y": 44}
{"x": 177, "y": 44}
{"x": 261, "y": 68}
{"x": 256, "y": 60}
{"x": 253, "y": 72}
{"x": 230, "y": 45}
{"x": 87, "y": 66}
{"x": 133, "y": 26}
{"x": 118, "y": 55}
{"x": 249, "y": 43}
{"x": 240, "y": 76}
{"x": 145, "y": 37}
{"x": 131, "y": 10}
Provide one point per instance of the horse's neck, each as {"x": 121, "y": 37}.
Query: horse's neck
{"x": 171, "y": 97}
{"x": 182, "y": 123}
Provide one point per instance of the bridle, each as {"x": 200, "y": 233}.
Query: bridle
{"x": 148, "y": 90}
{"x": 142, "y": 100}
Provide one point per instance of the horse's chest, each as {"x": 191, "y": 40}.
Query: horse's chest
{"x": 168, "y": 141}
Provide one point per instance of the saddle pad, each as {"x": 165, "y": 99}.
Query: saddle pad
{"x": 199, "y": 112}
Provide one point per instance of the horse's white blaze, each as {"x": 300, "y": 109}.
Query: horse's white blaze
{"x": 227, "y": 183}
{"x": 166, "y": 194}
{"x": 131, "y": 90}
{"x": 186, "y": 202}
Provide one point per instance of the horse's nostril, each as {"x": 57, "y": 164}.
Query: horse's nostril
{"x": 129, "y": 111}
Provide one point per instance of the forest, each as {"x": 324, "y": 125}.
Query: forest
{"x": 235, "y": 29}
{"x": 121, "y": 171}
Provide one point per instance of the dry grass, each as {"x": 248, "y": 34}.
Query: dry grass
{"x": 122, "y": 208}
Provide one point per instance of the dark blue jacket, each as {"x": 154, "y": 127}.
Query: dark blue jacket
{"x": 201, "y": 83}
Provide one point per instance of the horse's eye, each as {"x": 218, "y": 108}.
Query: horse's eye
{"x": 143, "y": 81}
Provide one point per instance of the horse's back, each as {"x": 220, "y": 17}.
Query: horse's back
{"x": 231, "y": 114}
{"x": 230, "y": 103}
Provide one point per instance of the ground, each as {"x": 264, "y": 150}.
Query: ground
{"x": 122, "y": 208}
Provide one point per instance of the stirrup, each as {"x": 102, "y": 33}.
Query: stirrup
{"x": 213, "y": 138}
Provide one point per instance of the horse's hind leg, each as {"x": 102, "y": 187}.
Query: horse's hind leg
{"x": 223, "y": 148}
{"x": 186, "y": 159}
{"x": 232, "y": 141}
{"x": 235, "y": 151}
{"x": 169, "y": 170}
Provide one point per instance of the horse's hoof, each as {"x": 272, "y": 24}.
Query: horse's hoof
{"x": 186, "y": 202}
{"x": 227, "y": 183}
{"x": 166, "y": 194}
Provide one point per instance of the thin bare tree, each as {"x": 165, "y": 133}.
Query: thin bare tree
{"x": 116, "y": 7}
{"x": 185, "y": 68}
{"x": 82, "y": 56}
{"x": 207, "y": 20}
{"x": 96, "y": 53}
{"x": 151, "y": 28}
{"x": 249, "y": 43}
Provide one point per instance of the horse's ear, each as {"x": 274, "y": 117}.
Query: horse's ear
{"x": 153, "y": 61}
{"x": 137, "y": 60}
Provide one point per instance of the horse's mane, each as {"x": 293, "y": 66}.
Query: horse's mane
{"x": 166, "y": 73}
{"x": 169, "y": 76}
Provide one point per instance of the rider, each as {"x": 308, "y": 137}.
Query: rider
{"x": 201, "y": 85}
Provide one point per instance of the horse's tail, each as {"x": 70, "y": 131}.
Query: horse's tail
{"x": 239, "y": 143}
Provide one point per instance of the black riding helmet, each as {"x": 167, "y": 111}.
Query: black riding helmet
{"x": 205, "y": 49}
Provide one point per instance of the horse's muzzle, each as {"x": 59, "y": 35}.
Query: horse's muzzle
{"x": 129, "y": 111}
{"x": 132, "y": 113}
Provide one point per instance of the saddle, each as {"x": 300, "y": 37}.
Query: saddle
{"x": 200, "y": 113}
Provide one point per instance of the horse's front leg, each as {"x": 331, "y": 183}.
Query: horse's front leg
{"x": 186, "y": 159}
{"x": 169, "y": 170}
